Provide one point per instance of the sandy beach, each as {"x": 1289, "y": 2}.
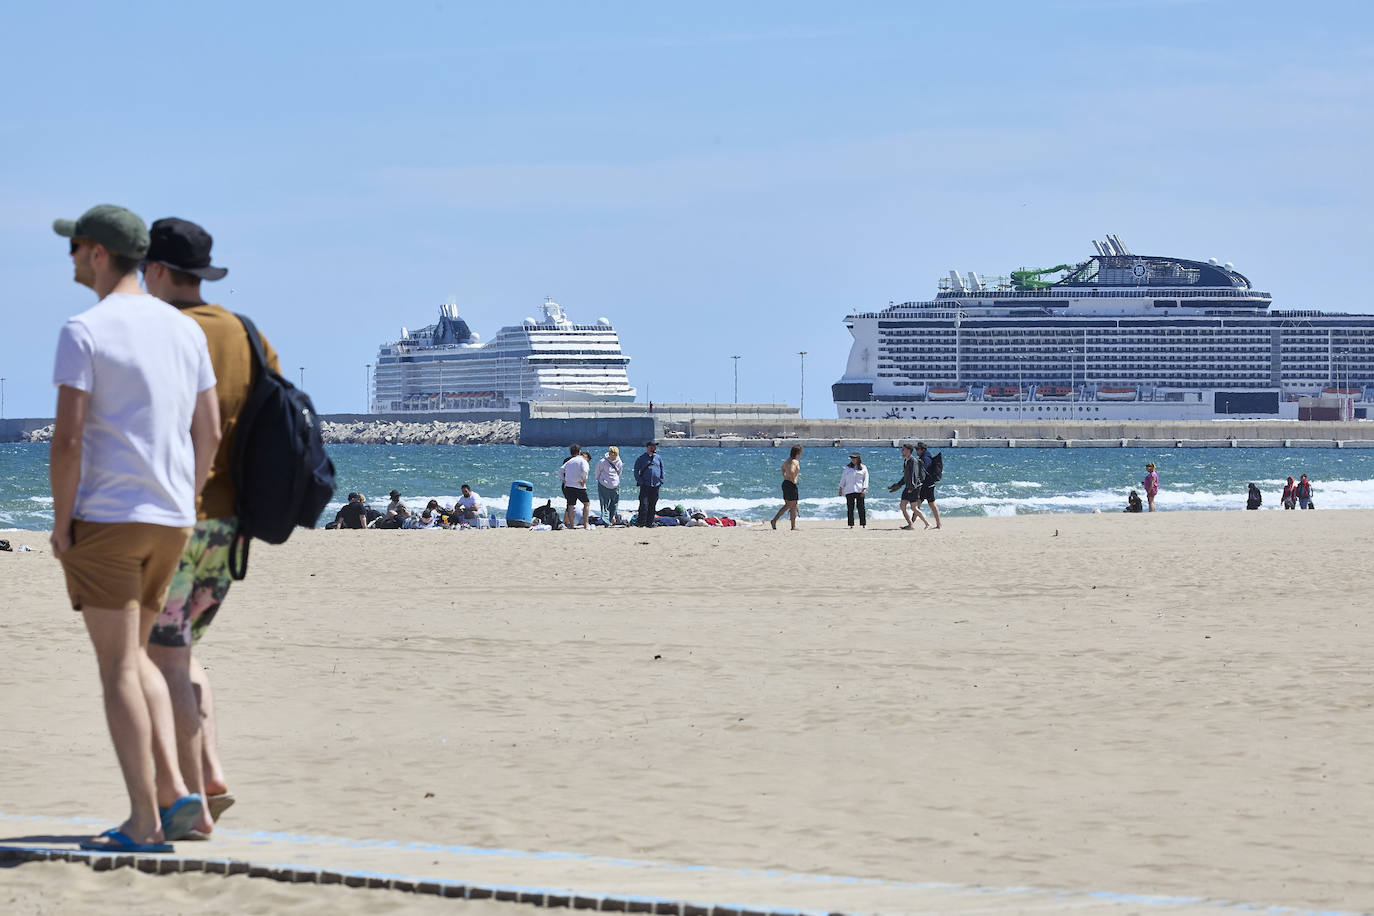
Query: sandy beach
{"x": 1179, "y": 703}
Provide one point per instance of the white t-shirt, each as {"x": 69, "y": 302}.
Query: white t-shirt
{"x": 608, "y": 472}
{"x": 574, "y": 472}
{"x": 472, "y": 501}
{"x": 853, "y": 480}
{"x": 143, "y": 363}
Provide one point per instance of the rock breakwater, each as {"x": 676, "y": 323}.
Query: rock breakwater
{"x": 436, "y": 432}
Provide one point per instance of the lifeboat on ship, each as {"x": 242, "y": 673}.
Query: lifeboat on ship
{"x": 1108, "y": 393}
{"x": 1053, "y": 392}
{"x": 942, "y": 393}
{"x": 1001, "y": 393}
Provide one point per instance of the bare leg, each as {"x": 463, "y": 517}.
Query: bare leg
{"x": 916, "y": 511}
{"x": 774, "y": 521}
{"x": 935, "y": 511}
{"x": 792, "y": 514}
{"x": 114, "y": 634}
{"x": 1151, "y": 498}
{"x": 215, "y": 782}
{"x": 568, "y": 517}
{"x": 174, "y": 664}
{"x": 586, "y": 515}
{"x": 170, "y": 784}
{"x": 906, "y": 515}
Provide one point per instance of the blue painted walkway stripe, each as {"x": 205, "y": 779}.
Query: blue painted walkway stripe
{"x": 1112, "y": 897}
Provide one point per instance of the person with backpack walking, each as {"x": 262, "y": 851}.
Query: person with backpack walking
{"x": 930, "y": 475}
{"x": 649, "y": 478}
{"x": 1303, "y": 491}
{"x": 136, "y": 433}
{"x": 178, "y": 260}
{"x": 1150, "y": 484}
{"x": 854, "y": 487}
{"x": 910, "y": 485}
{"x": 1290, "y": 495}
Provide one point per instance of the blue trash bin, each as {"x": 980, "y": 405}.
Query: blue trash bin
{"x": 520, "y": 506}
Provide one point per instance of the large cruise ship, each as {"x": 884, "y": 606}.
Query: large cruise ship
{"x": 1117, "y": 336}
{"x": 445, "y": 368}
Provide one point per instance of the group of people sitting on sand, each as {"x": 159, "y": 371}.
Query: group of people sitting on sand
{"x": 467, "y": 512}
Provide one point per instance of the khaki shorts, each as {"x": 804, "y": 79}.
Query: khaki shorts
{"x": 122, "y": 565}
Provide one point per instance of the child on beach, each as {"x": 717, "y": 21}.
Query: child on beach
{"x": 1150, "y": 484}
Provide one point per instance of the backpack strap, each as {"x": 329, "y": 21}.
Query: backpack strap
{"x": 238, "y": 548}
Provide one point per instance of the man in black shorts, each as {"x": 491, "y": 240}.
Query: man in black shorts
{"x": 573, "y": 475}
{"x": 910, "y": 485}
{"x": 791, "y": 470}
{"x": 927, "y": 493}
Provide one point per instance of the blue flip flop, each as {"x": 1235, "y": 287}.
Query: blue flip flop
{"x": 119, "y": 841}
{"x": 178, "y": 817}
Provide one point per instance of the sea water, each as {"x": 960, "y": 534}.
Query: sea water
{"x": 743, "y": 483}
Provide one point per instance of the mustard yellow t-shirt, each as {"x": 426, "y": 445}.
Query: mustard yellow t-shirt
{"x": 232, "y": 357}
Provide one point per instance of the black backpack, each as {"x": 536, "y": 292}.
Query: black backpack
{"x": 936, "y": 469}
{"x": 282, "y": 476}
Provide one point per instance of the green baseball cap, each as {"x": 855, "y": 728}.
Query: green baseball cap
{"x": 118, "y": 229}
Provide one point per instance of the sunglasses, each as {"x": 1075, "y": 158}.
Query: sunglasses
{"x": 75, "y": 244}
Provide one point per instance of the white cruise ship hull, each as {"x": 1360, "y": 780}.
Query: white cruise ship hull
{"x": 1133, "y": 337}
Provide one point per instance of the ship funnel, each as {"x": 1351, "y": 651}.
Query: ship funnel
{"x": 1120, "y": 245}
{"x": 955, "y": 283}
{"x": 974, "y": 283}
{"x": 1098, "y": 245}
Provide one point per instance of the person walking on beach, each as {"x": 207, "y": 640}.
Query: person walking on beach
{"x": 1150, "y": 484}
{"x": 137, "y": 430}
{"x": 910, "y": 485}
{"x": 608, "y": 484}
{"x": 1255, "y": 499}
{"x": 1290, "y": 495}
{"x": 927, "y": 494}
{"x": 791, "y": 471}
{"x": 1303, "y": 491}
{"x": 574, "y": 474}
{"x": 178, "y": 260}
{"x": 649, "y": 477}
{"x": 854, "y": 487}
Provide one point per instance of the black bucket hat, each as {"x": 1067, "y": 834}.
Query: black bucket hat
{"x": 182, "y": 245}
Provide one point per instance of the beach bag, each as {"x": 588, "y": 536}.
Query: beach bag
{"x": 282, "y": 476}
{"x": 936, "y": 469}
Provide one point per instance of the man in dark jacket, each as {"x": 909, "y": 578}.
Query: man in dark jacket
{"x": 910, "y": 485}
{"x": 648, "y": 477}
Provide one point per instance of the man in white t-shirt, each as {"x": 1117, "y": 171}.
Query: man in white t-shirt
{"x": 469, "y": 505}
{"x": 137, "y": 429}
{"x": 574, "y": 473}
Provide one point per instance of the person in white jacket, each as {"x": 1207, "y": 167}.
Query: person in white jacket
{"x": 608, "y": 484}
{"x": 854, "y": 487}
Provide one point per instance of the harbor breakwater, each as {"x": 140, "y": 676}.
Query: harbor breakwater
{"x": 792, "y": 430}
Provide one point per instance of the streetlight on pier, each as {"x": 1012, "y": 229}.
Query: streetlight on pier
{"x": 367, "y": 388}
{"x": 736, "y": 359}
{"x": 302, "y": 378}
{"x": 801, "y": 410}
{"x": 2, "y": 399}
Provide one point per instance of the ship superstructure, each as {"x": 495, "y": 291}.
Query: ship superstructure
{"x": 1117, "y": 336}
{"x": 446, "y": 368}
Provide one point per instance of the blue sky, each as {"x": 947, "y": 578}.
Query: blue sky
{"x": 714, "y": 178}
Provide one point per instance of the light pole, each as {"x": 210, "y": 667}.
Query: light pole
{"x": 2, "y": 399}
{"x": 302, "y": 378}
{"x": 736, "y": 359}
{"x": 801, "y": 410}
{"x": 367, "y": 388}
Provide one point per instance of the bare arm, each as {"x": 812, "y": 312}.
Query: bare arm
{"x": 64, "y": 462}
{"x": 205, "y": 434}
